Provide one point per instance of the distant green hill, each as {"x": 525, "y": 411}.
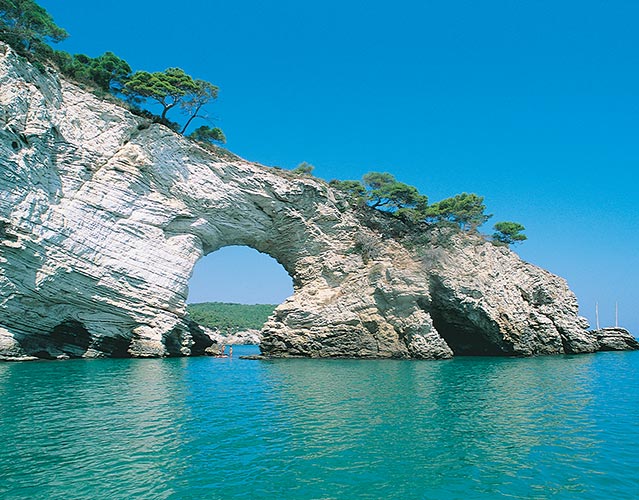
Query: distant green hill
{"x": 230, "y": 318}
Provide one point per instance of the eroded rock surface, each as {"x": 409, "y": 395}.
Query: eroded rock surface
{"x": 103, "y": 216}
{"x": 245, "y": 337}
{"x": 615, "y": 339}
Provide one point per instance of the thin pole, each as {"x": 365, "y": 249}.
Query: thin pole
{"x": 616, "y": 315}
{"x": 597, "y": 313}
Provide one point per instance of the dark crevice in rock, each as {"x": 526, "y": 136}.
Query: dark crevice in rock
{"x": 565, "y": 344}
{"x": 464, "y": 338}
{"x": 193, "y": 336}
{"x": 464, "y": 328}
{"x": 4, "y": 233}
{"x": 42, "y": 354}
{"x": 201, "y": 341}
{"x": 71, "y": 336}
{"x": 115, "y": 347}
{"x": 173, "y": 342}
{"x": 69, "y": 339}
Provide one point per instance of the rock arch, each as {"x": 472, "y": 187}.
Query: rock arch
{"x": 103, "y": 216}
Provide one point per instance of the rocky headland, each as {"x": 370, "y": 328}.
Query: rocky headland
{"x": 103, "y": 216}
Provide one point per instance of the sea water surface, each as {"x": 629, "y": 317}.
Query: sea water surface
{"x": 547, "y": 427}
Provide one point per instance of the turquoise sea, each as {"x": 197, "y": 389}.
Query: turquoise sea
{"x": 548, "y": 427}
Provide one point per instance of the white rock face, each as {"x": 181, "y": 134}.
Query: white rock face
{"x": 246, "y": 337}
{"x": 103, "y": 217}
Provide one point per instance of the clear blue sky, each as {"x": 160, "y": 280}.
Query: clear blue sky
{"x": 533, "y": 104}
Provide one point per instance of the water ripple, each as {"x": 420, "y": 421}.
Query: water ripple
{"x": 555, "y": 427}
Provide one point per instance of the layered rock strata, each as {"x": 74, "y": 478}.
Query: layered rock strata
{"x": 103, "y": 216}
{"x": 245, "y": 337}
{"x": 615, "y": 339}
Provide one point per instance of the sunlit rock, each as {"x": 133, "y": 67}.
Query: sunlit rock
{"x": 615, "y": 339}
{"x": 104, "y": 215}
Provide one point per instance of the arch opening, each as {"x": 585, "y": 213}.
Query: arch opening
{"x": 235, "y": 289}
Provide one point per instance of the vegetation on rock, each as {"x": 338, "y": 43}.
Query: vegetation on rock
{"x": 29, "y": 28}
{"x": 465, "y": 210}
{"x": 193, "y": 103}
{"x": 165, "y": 87}
{"x": 108, "y": 72}
{"x": 304, "y": 169}
{"x": 170, "y": 88}
{"x": 208, "y": 135}
{"x": 384, "y": 192}
{"x": 354, "y": 190}
{"x": 508, "y": 233}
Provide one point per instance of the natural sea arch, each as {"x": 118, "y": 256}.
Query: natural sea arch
{"x": 103, "y": 216}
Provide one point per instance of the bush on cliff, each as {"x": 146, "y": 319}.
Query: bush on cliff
{"x": 384, "y": 192}
{"x": 381, "y": 191}
{"x": 170, "y": 88}
{"x": 508, "y": 233}
{"x": 208, "y": 135}
{"x": 465, "y": 210}
{"x": 27, "y": 27}
{"x": 354, "y": 190}
{"x": 304, "y": 168}
{"x": 108, "y": 72}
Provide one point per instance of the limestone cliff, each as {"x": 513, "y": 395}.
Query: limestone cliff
{"x": 103, "y": 216}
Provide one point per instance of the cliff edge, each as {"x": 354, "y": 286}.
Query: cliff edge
{"x": 103, "y": 216}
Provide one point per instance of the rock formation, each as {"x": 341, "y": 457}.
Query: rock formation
{"x": 615, "y": 339}
{"x": 103, "y": 216}
{"x": 245, "y": 337}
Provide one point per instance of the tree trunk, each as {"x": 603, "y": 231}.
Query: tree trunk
{"x": 188, "y": 122}
{"x": 166, "y": 108}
